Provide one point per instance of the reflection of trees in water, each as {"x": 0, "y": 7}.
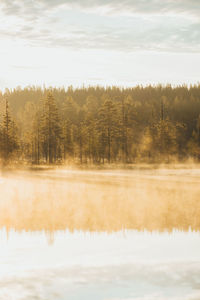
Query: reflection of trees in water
{"x": 102, "y": 203}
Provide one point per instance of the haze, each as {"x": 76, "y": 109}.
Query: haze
{"x": 104, "y": 235}
{"x": 99, "y": 149}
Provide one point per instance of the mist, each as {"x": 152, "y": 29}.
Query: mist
{"x": 101, "y": 200}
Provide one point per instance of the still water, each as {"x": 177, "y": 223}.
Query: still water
{"x": 105, "y": 235}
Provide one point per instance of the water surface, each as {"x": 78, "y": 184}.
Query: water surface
{"x": 105, "y": 235}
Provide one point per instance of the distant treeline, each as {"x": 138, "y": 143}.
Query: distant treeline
{"x": 100, "y": 125}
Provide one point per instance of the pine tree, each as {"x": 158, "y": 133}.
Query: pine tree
{"x": 9, "y": 141}
{"x": 51, "y": 130}
{"x": 126, "y": 123}
{"x": 70, "y": 114}
{"x": 108, "y": 127}
{"x": 68, "y": 146}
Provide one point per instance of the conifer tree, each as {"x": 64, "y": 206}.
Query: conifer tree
{"x": 68, "y": 146}
{"x": 51, "y": 129}
{"x": 108, "y": 125}
{"x": 126, "y": 123}
{"x": 70, "y": 114}
{"x": 9, "y": 141}
{"x": 99, "y": 124}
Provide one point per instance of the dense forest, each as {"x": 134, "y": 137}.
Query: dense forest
{"x": 100, "y": 125}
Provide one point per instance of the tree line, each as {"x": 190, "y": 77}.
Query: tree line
{"x": 100, "y": 125}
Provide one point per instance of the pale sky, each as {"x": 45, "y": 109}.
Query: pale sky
{"x": 105, "y": 42}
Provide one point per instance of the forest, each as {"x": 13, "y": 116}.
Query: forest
{"x": 99, "y": 125}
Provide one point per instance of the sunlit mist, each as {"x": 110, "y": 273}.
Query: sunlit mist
{"x": 100, "y": 150}
{"x": 153, "y": 200}
{"x": 68, "y": 233}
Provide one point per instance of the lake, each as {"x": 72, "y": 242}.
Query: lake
{"x": 100, "y": 234}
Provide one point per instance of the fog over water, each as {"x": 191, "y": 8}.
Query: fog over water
{"x": 160, "y": 200}
{"x": 100, "y": 234}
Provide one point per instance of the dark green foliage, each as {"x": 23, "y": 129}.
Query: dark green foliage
{"x": 50, "y": 130}
{"x": 8, "y": 136}
{"x": 98, "y": 125}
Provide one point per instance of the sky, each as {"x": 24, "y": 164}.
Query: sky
{"x": 99, "y": 42}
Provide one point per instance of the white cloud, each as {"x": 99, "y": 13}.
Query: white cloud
{"x": 170, "y": 281}
{"x": 62, "y": 24}
{"x": 124, "y": 27}
{"x": 145, "y": 7}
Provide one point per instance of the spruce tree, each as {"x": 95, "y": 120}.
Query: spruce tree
{"x": 51, "y": 129}
{"x": 108, "y": 127}
{"x": 9, "y": 140}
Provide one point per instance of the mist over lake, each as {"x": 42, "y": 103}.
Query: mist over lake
{"x": 100, "y": 150}
{"x": 112, "y": 200}
{"x": 103, "y": 234}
